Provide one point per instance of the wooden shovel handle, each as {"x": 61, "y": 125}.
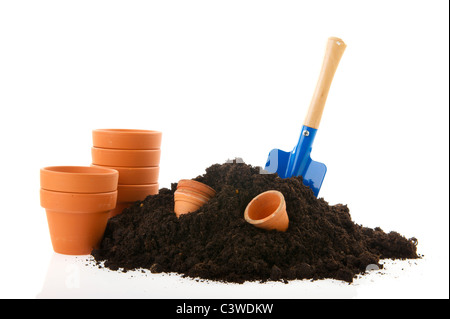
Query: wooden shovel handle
{"x": 334, "y": 51}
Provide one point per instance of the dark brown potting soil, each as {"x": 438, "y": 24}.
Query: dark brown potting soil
{"x": 216, "y": 242}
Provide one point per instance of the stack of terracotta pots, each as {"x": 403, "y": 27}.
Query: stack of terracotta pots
{"x": 135, "y": 154}
{"x": 77, "y": 201}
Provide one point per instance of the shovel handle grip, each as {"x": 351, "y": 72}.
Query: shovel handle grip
{"x": 334, "y": 51}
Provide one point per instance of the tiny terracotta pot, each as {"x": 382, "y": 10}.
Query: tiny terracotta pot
{"x": 79, "y": 179}
{"x": 190, "y": 196}
{"x": 125, "y": 158}
{"x": 195, "y": 186}
{"x": 135, "y": 175}
{"x": 76, "y": 222}
{"x": 268, "y": 211}
{"x": 188, "y": 202}
{"x": 132, "y": 193}
{"x": 127, "y": 139}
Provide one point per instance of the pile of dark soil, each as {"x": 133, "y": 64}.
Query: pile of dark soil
{"x": 216, "y": 242}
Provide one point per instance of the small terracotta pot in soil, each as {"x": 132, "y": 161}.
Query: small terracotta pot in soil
{"x": 135, "y": 175}
{"x": 125, "y": 158}
{"x": 76, "y": 222}
{"x": 268, "y": 211}
{"x": 197, "y": 187}
{"x": 79, "y": 179}
{"x": 127, "y": 139}
{"x": 190, "y": 196}
{"x": 188, "y": 202}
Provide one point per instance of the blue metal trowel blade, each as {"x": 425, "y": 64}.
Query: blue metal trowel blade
{"x": 277, "y": 162}
{"x": 314, "y": 176}
{"x": 298, "y": 162}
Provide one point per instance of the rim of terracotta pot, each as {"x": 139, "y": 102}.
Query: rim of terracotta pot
{"x": 77, "y": 202}
{"x": 196, "y": 186}
{"x": 135, "y": 175}
{"x": 136, "y": 139}
{"x": 132, "y": 193}
{"x": 79, "y": 179}
{"x": 125, "y": 158}
{"x": 267, "y": 207}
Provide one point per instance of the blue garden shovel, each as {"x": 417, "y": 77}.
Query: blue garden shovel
{"x": 298, "y": 162}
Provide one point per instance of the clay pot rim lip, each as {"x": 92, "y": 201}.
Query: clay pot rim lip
{"x": 133, "y": 194}
{"x": 96, "y": 171}
{"x": 50, "y": 199}
{"x": 123, "y": 138}
{"x": 262, "y": 220}
{"x": 125, "y": 150}
{"x": 137, "y": 186}
{"x": 99, "y": 194}
{"x": 125, "y": 131}
{"x": 137, "y": 168}
{"x": 197, "y": 183}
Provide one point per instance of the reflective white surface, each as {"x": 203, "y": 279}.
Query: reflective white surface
{"x": 79, "y": 277}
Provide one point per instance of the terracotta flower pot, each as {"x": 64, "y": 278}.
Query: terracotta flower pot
{"x": 188, "y": 202}
{"x": 190, "y": 196}
{"x": 76, "y": 222}
{"x": 79, "y": 179}
{"x": 125, "y": 158}
{"x": 126, "y": 139}
{"x": 135, "y": 175}
{"x": 132, "y": 193}
{"x": 195, "y": 186}
{"x": 268, "y": 211}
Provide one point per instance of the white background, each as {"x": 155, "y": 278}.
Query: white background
{"x": 223, "y": 79}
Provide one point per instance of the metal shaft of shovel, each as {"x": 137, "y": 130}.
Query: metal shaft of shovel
{"x": 298, "y": 162}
